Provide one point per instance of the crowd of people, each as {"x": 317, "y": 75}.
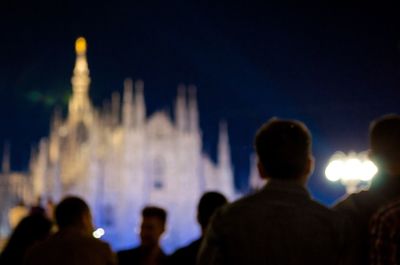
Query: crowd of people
{"x": 279, "y": 224}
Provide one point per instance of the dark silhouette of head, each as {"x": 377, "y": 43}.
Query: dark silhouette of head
{"x": 385, "y": 143}
{"x": 208, "y": 204}
{"x": 30, "y": 230}
{"x": 73, "y": 212}
{"x": 284, "y": 150}
{"x": 37, "y": 210}
{"x": 153, "y": 226}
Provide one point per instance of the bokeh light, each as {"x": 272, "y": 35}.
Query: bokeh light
{"x": 351, "y": 169}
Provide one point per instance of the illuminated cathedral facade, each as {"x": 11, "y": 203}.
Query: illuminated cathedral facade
{"x": 122, "y": 160}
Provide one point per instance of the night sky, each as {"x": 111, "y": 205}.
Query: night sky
{"x": 334, "y": 68}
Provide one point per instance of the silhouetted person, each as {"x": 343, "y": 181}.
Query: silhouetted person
{"x": 280, "y": 224}
{"x": 384, "y": 142}
{"x": 149, "y": 252}
{"x": 73, "y": 243}
{"x": 208, "y": 204}
{"x": 385, "y": 235}
{"x": 29, "y": 231}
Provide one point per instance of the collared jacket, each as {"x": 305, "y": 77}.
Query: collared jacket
{"x": 280, "y": 224}
{"x": 139, "y": 256}
{"x": 71, "y": 247}
{"x": 384, "y": 231}
{"x": 360, "y": 207}
{"x": 186, "y": 255}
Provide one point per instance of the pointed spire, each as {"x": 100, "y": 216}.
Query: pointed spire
{"x": 224, "y": 161}
{"x": 6, "y": 158}
{"x": 81, "y": 79}
{"x": 55, "y": 131}
{"x": 107, "y": 113}
{"x": 223, "y": 145}
{"x": 115, "y": 108}
{"x": 57, "y": 117}
{"x": 181, "y": 109}
{"x": 40, "y": 170}
{"x": 127, "y": 106}
{"x": 32, "y": 159}
{"x": 56, "y": 120}
{"x": 80, "y": 102}
{"x": 193, "y": 110}
{"x": 140, "y": 107}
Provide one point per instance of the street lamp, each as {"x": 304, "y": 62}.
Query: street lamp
{"x": 354, "y": 170}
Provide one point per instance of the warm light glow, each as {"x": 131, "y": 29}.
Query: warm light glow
{"x": 369, "y": 170}
{"x": 98, "y": 233}
{"x": 333, "y": 171}
{"x": 80, "y": 45}
{"x": 63, "y": 131}
{"x": 350, "y": 167}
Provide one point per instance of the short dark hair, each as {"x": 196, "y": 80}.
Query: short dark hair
{"x": 70, "y": 211}
{"x": 208, "y": 204}
{"x": 385, "y": 138}
{"x": 153, "y": 211}
{"x": 283, "y": 148}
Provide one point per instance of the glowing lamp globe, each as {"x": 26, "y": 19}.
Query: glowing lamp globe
{"x": 354, "y": 170}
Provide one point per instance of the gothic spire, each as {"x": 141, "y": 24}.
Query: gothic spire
{"x": 181, "y": 109}
{"x": 6, "y": 158}
{"x": 127, "y": 104}
{"x": 80, "y": 103}
{"x": 224, "y": 161}
{"x": 140, "y": 107}
{"x": 193, "y": 110}
{"x": 223, "y": 145}
{"x": 115, "y": 108}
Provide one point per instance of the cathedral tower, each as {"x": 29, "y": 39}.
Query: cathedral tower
{"x": 80, "y": 108}
{"x": 224, "y": 161}
{"x": 181, "y": 110}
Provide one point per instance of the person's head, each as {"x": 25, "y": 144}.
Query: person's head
{"x": 384, "y": 139}
{"x": 153, "y": 226}
{"x": 208, "y": 204}
{"x": 30, "y": 230}
{"x": 73, "y": 212}
{"x": 284, "y": 150}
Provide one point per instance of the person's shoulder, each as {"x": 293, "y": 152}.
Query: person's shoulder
{"x": 98, "y": 247}
{"x": 92, "y": 245}
{"x": 389, "y": 212}
{"x": 127, "y": 252}
{"x": 191, "y": 247}
{"x": 228, "y": 215}
{"x": 242, "y": 204}
{"x": 127, "y": 256}
{"x": 351, "y": 203}
{"x": 186, "y": 254}
{"x": 94, "y": 241}
{"x": 324, "y": 211}
{"x": 44, "y": 246}
{"x": 36, "y": 253}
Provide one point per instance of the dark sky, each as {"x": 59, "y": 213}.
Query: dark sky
{"x": 334, "y": 68}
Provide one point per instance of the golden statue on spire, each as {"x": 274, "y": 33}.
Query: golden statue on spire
{"x": 80, "y": 45}
{"x": 79, "y": 104}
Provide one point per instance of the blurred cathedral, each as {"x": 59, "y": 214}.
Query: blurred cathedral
{"x": 121, "y": 160}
